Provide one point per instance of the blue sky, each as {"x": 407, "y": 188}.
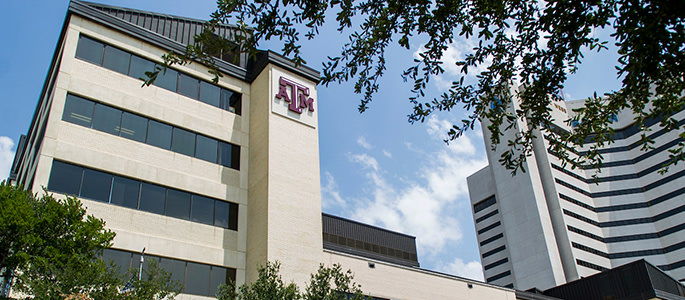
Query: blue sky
{"x": 375, "y": 167}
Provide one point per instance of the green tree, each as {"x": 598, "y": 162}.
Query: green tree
{"x": 328, "y": 283}
{"x": 535, "y": 43}
{"x": 50, "y": 249}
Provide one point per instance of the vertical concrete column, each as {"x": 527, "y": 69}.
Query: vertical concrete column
{"x": 284, "y": 197}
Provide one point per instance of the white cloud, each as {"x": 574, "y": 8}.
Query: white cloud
{"x": 6, "y": 156}
{"x": 387, "y": 153}
{"x": 472, "y": 269}
{"x": 366, "y": 160}
{"x": 422, "y": 206}
{"x": 329, "y": 192}
{"x": 362, "y": 142}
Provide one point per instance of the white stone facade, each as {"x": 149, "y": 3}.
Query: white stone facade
{"x": 552, "y": 225}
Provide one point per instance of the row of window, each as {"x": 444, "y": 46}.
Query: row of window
{"x": 498, "y": 276}
{"x": 673, "y": 266}
{"x": 484, "y": 217}
{"x": 497, "y": 263}
{"x": 118, "y": 190}
{"x": 490, "y": 201}
{"x": 653, "y": 219}
{"x": 124, "y": 62}
{"x": 636, "y": 205}
{"x": 491, "y": 239}
{"x": 195, "y": 278}
{"x": 627, "y": 254}
{"x": 132, "y": 126}
{"x": 590, "y": 265}
{"x": 493, "y": 251}
{"x": 660, "y": 182}
{"x": 489, "y": 227}
{"x": 370, "y": 247}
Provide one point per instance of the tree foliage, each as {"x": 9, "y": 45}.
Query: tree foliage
{"x": 328, "y": 283}
{"x": 536, "y": 44}
{"x": 50, "y": 249}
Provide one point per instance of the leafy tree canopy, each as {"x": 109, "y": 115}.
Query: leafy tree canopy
{"x": 536, "y": 44}
{"x": 50, "y": 249}
{"x": 328, "y": 283}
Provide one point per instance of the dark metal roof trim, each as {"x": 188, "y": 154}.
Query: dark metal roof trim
{"x": 367, "y": 225}
{"x": 84, "y": 10}
{"x": 257, "y": 64}
{"x": 371, "y": 255}
{"x": 254, "y": 67}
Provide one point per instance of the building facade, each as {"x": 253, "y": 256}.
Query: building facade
{"x": 212, "y": 179}
{"x": 553, "y": 224}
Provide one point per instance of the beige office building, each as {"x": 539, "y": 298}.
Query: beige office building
{"x": 212, "y": 179}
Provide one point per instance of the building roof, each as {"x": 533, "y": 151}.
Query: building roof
{"x": 369, "y": 241}
{"x": 174, "y": 33}
{"x": 635, "y": 280}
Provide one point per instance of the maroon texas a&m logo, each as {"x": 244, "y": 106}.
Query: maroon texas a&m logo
{"x": 299, "y": 95}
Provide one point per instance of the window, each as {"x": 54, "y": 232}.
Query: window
{"x": 178, "y": 204}
{"x": 159, "y": 134}
{"x": 139, "y": 66}
{"x": 230, "y": 155}
{"x": 116, "y": 60}
{"x": 100, "y": 186}
{"x": 133, "y": 127}
{"x": 219, "y": 276}
{"x": 484, "y": 204}
{"x": 197, "y": 279}
{"x": 135, "y": 66}
{"x": 188, "y": 86}
{"x": 125, "y": 192}
{"x": 202, "y": 210}
{"x": 230, "y": 101}
{"x": 65, "y": 178}
{"x": 209, "y": 93}
{"x": 152, "y": 198}
{"x": 167, "y": 79}
{"x": 90, "y": 50}
{"x": 176, "y": 267}
{"x": 221, "y": 214}
{"x": 183, "y": 142}
{"x": 107, "y": 119}
{"x": 206, "y": 148}
{"x": 120, "y": 259}
{"x": 78, "y": 110}
{"x": 96, "y": 185}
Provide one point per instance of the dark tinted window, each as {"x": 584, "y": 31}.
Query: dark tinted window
{"x": 206, "y": 148}
{"x": 90, "y": 50}
{"x": 133, "y": 127}
{"x": 120, "y": 259}
{"x": 177, "y": 268}
{"x": 107, "y": 119}
{"x": 183, "y": 142}
{"x": 178, "y": 204}
{"x": 159, "y": 134}
{"x": 221, "y": 214}
{"x": 167, "y": 79}
{"x": 197, "y": 279}
{"x": 116, "y": 60}
{"x": 230, "y": 101}
{"x": 202, "y": 210}
{"x": 219, "y": 277}
{"x": 96, "y": 185}
{"x": 188, "y": 86}
{"x": 139, "y": 66}
{"x": 230, "y": 155}
{"x": 125, "y": 192}
{"x": 65, "y": 178}
{"x": 209, "y": 93}
{"x": 78, "y": 110}
{"x": 152, "y": 198}
{"x": 233, "y": 216}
